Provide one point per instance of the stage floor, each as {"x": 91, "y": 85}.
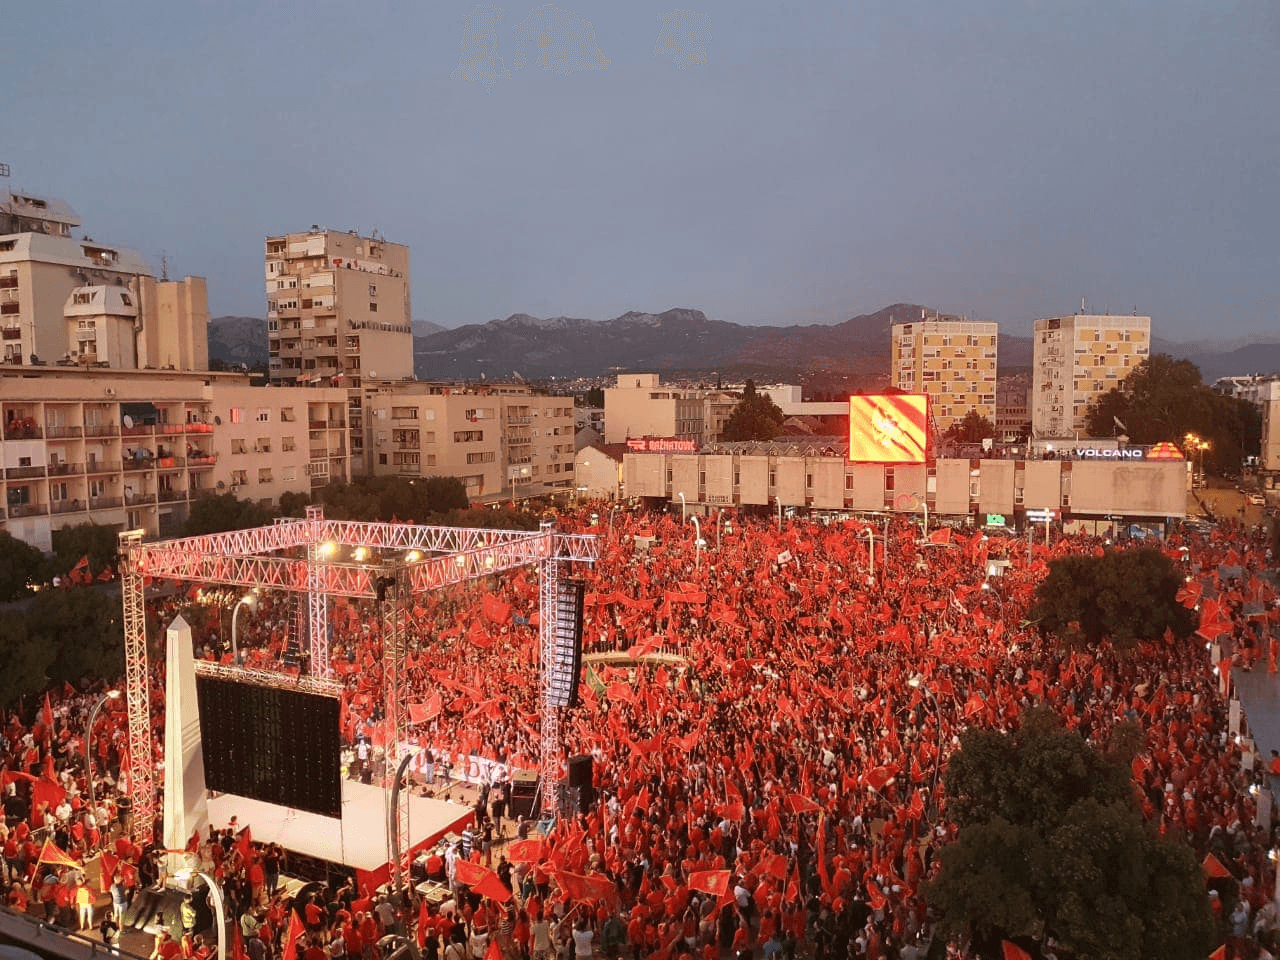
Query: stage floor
{"x": 359, "y": 839}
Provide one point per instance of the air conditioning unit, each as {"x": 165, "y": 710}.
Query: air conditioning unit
{"x": 110, "y": 391}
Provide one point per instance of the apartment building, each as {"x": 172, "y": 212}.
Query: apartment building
{"x": 133, "y": 448}
{"x": 69, "y": 301}
{"x": 952, "y": 361}
{"x": 1077, "y": 359}
{"x": 1013, "y": 408}
{"x": 502, "y": 440}
{"x": 640, "y": 405}
{"x": 338, "y": 308}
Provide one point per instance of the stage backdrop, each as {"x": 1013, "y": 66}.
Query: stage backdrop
{"x": 277, "y": 746}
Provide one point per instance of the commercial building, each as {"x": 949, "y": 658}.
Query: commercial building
{"x": 71, "y": 301}
{"x": 1077, "y": 359}
{"x": 1255, "y": 388}
{"x": 598, "y": 469}
{"x": 1269, "y": 462}
{"x": 133, "y": 448}
{"x": 502, "y": 440}
{"x": 1082, "y": 483}
{"x": 953, "y": 361}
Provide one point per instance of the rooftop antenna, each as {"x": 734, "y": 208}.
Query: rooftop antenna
{"x": 164, "y": 267}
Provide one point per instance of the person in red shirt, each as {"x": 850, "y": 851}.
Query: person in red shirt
{"x": 314, "y": 951}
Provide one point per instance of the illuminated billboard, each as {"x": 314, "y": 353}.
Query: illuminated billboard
{"x": 888, "y": 429}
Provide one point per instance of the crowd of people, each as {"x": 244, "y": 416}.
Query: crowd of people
{"x": 766, "y": 765}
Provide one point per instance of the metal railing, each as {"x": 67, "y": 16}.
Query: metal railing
{"x": 103, "y": 466}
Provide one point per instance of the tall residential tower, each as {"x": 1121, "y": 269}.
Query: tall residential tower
{"x": 952, "y": 361}
{"x": 1077, "y": 359}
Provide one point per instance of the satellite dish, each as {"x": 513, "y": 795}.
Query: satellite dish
{"x": 217, "y": 421}
{"x": 221, "y": 485}
{"x": 127, "y": 421}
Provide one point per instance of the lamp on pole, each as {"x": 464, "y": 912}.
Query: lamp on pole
{"x": 1196, "y": 446}
{"x": 88, "y": 748}
{"x": 721, "y": 525}
{"x": 918, "y": 683}
{"x": 924, "y": 503}
{"x": 698, "y": 544}
{"x": 248, "y": 600}
{"x": 779, "y": 514}
{"x": 684, "y": 507}
{"x": 871, "y": 552}
{"x": 611, "y": 510}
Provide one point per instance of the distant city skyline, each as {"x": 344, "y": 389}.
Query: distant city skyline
{"x": 764, "y": 163}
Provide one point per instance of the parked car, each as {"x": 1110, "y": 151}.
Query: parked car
{"x": 1257, "y": 499}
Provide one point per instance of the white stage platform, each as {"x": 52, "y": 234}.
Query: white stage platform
{"x": 359, "y": 839}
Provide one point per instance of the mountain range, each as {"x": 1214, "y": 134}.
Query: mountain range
{"x": 685, "y": 341}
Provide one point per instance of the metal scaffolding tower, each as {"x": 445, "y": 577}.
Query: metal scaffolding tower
{"x": 317, "y": 557}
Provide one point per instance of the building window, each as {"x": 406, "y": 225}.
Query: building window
{"x": 373, "y": 307}
{"x": 238, "y": 446}
{"x": 373, "y": 289}
{"x": 482, "y": 457}
{"x": 288, "y": 474}
{"x": 264, "y": 414}
{"x": 287, "y": 445}
{"x": 468, "y": 436}
{"x": 264, "y": 474}
{"x": 236, "y": 415}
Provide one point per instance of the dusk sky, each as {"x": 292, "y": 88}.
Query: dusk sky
{"x": 998, "y": 159}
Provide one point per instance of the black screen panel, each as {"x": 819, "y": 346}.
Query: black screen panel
{"x": 278, "y": 746}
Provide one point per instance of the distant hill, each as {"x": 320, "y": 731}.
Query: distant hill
{"x": 686, "y": 341}
{"x": 237, "y": 340}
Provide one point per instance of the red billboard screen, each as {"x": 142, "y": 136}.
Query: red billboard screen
{"x": 888, "y": 429}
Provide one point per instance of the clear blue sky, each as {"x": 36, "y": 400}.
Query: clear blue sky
{"x": 1001, "y": 159}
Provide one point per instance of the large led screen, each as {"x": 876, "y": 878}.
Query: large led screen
{"x": 278, "y": 746}
{"x": 888, "y": 429}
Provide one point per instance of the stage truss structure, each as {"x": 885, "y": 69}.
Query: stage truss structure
{"x": 314, "y": 556}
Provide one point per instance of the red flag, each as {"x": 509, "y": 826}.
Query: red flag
{"x": 798, "y": 803}
{"x": 46, "y": 717}
{"x": 107, "y": 574}
{"x": 469, "y": 873}
{"x": 1013, "y": 952}
{"x": 526, "y": 851}
{"x": 941, "y": 535}
{"x": 51, "y": 854}
{"x": 423, "y": 919}
{"x": 237, "y": 944}
{"x": 291, "y": 937}
{"x": 495, "y": 610}
{"x": 1219, "y": 954}
{"x": 243, "y": 846}
{"x": 107, "y": 868}
{"x": 193, "y": 845}
{"x": 793, "y": 885}
{"x": 425, "y": 712}
{"x": 493, "y": 888}
{"x": 1213, "y": 868}
{"x": 710, "y": 881}
{"x": 80, "y": 572}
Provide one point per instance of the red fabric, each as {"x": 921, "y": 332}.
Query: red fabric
{"x": 1013, "y": 952}
{"x": 1214, "y": 869}
{"x": 291, "y": 936}
{"x": 51, "y": 854}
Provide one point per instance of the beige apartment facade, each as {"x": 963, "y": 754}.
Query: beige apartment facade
{"x": 132, "y": 449}
{"x": 953, "y": 362}
{"x": 641, "y": 405}
{"x": 1075, "y": 360}
{"x": 502, "y": 441}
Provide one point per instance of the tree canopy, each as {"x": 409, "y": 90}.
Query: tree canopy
{"x": 1164, "y": 399}
{"x": 225, "y": 511}
{"x": 1125, "y": 596}
{"x": 1052, "y": 845}
{"x": 97, "y": 542}
{"x": 755, "y": 417}
{"x": 20, "y": 565}
{"x": 394, "y": 498}
{"x": 973, "y": 428}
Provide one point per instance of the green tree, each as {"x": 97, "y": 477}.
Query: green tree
{"x": 1125, "y": 596}
{"x": 1164, "y": 399}
{"x": 294, "y": 503}
{"x": 24, "y": 659}
{"x": 21, "y": 565}
{"x": 755, "y": 417}
{"x": 225, "y": 511}
{"x": 83, "y": 627}
{"x": 973, "y": 428}
{"x": 1051, "y": 844}
{"x": 394, "y": 498}
{"x": 444, "y": 494}
{"x": 97, "y": 542}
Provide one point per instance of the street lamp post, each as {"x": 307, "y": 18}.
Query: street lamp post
{"x": 248, "y": 600}
{"x": 871, "y": 552}
{"x": 918, "y": 683}
{"x": 684, "y": 508}
{"x": 88, "y": 749}
{"x": 924, "y": 502}
{"x": 611, "y": 510}
{"x": 698, "y": 544}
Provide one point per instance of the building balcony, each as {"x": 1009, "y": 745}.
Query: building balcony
{"x": 319, "y": 453}
{"x": 23, "y": 473}
{"x": 137, "y": 430}
{"x": 65, "y": 469}
{"x": 11, "y": 333}
{"x": 519, "y": 421}
{"x": 202, "y": 460}
{"x": 140, "y": 499}
{"x": 170, "y": 429}
{"x": 199, "y": 428}
{"x": 136, "y": 464}
{"x": 63, "y": 433}
{"x": 66, "y": 506}
{"x": 172, "y": 496}
{"x": 105, "y": 503}
{"x": 337, "y": 424}
{"x": 22, "y": 430}
{"x": 17, "y": 510}
{"x": 169, "y": 463}
{"x": 103, "y": 466}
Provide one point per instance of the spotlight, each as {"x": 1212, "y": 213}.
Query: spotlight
{"x": 360, "y": 554}
{"x": 413, "y": 556}
{"x": 327, "y": 548}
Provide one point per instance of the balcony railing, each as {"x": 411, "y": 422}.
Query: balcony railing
{"x": 316, "y": 424}
{"x": 137, "y": 430}
{"x": 62, "y": 433}
{"x": 23, "y": 473}
{"x": 134, "y": 464}
{"x": 65, "y": 469}
{"x": 202, "y": 460}
{"x": 172, "y": 496}
{"x": 27, "y": 510}
{"x": 103, "y": 466}
{"x": 169, "y": 463}
{"x": 199, "y": 428}
{"x": 19, "y": 430}
{"x": 337, "y": 424}
{"x": 169, "y": 429}
{"x": 105, "y": 503}
{"x": 140, "y": 499}
{"x": 66, "y": 506}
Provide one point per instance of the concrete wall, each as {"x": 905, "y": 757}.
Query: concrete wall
{"x": 1042, "y": 484}
{"x": 598, "y": 472}
{"x": 1149, "y": 489}
{"x": 753, "y": 472}
{"x": 719, "y": 473}
{"x": 951, "y": 494}
{"x": 995, "y": 494}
